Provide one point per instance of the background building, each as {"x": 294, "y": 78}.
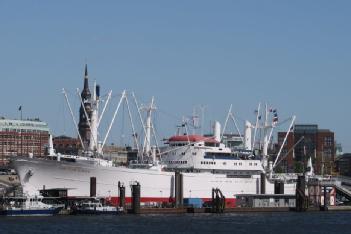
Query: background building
{"x": 23, "y": 137}
{"x": 343, "y": 164}
{"x": 66, "y": 145}
{"x": 317, "y": 143}
{"x": 119, "y": 155}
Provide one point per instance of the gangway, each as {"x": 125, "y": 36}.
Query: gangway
{"x": 337, "y": 183}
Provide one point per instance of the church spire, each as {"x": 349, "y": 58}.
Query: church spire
{"x": 86, "y": 84}
{"x": 85, "y": 110}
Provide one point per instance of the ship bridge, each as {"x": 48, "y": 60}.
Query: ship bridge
{"x": 199, "y": 153}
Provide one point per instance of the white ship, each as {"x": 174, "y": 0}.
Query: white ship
{"x": 204, "y": 162}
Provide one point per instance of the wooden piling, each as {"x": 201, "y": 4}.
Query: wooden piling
{"x": 92, "y": 186}
{"x": 136, "y": 198}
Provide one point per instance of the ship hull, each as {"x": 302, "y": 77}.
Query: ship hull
{"x": 31, "y": 212}
{"x": 156, "y": 185}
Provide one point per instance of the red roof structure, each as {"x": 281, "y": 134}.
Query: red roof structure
{"x": 192, "y": 138}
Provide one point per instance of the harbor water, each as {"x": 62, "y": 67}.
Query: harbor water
{"x": 282, "y": 223}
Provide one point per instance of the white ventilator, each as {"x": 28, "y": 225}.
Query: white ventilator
{"x": 248, "y": 135}
{"x": 310, "y": 171}
{"x": 51, "y": 146}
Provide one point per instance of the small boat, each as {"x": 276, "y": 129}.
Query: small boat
{"x": 96, "y": 208}
{"x": 30, "y": 207}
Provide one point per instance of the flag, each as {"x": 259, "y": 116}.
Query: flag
{"x": 259, "y": 117}
{"x": 275, "y": 119}
{"x": 256, "y": 112}
{"x": 19, "y": 108}
{"x": 275, "y": 116}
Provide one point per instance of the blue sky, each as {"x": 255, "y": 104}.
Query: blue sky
{"x": 295, "y": 55}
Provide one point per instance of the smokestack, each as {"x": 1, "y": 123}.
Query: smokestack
{"x": 217, "y": 131}
{"x": 97, "y": 91}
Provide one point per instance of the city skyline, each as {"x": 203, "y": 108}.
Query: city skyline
{"x": 296, "y": 56}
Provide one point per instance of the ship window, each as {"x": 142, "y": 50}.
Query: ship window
{"x": 216, "y": 155}
{"x": 210, "y": 144}
{"x": 255, "y": 164}
{"x": 194, "y": 153}
{"x": 250, "y": 164}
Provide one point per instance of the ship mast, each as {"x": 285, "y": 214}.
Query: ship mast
{"x": 148, "y": 127}
{"x": 93, "y": 143}
{"x": 266, "y": 140}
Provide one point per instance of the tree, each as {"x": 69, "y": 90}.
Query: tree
{"x": 298, "y": 167}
